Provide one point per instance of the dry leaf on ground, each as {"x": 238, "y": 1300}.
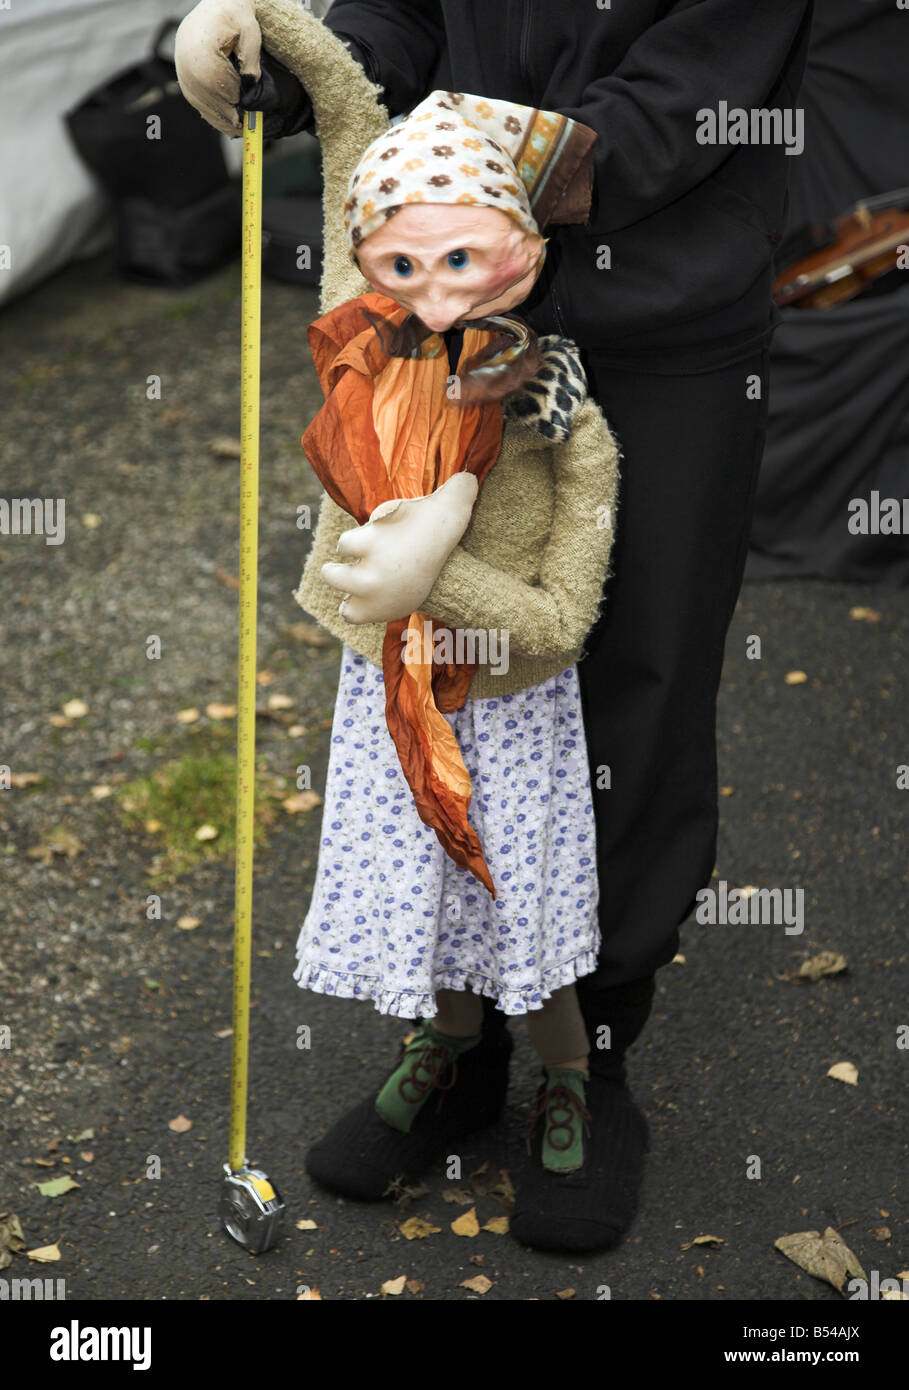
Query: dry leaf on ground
{"x": 301, "y": 801}
{"x": 703, "y": 1240}
{"x": 459, "y": 1195}
{"x": 498, "y": 1225}
{"x": 45, "y": 1254}
{"x": 825, "y": 1257}
{"x": 180, "y": 1125}
{"x": 418, "y": 1229}
{"x": 12, "y": 1237}
{"x": 55, "y": 1187}
{"x": 215, "y": 709}
{"x": 796, "y": 677}
{"x": 310, "y": 1296}
{"x": 188, "y": 923}
{"x": 75, "y": 709}
{"x": 565, "y": 1293}
{"x": 310, "y": 634}
{"x": 466, "y": 1225}
{"x": 865, "y": 615}
{"x": 844, "y": 1071}
{"x": 395, "y": 1286}
{"x": 305, "y": 1225}
{"x": 816, "y": 967}
{"x": 478, "y": 1284}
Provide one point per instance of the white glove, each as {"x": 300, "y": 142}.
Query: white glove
{"x": 207, "y": 77}
{"x": 400, "y": 552}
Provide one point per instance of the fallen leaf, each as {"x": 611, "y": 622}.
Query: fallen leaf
{"x": 45, "y": 1254}
{"x": 726, "y": 791}
{"x": 100, "y": 790}
{"x": 310, "y": 1296}
{"x": 224, "y": 1032}
{"x": 844, "y": 1071}
{"x": 816, "y": 967}
{"x": 297, "y": 730}
{"x": 825, "y": 1257}
{"x": 82, "y": 1136}
{"x": 215, "y": 710}
{"x": 180, "y": 1125}
{"x": 224, "y": 446}
{"x": 53, "y": 1146}
{"x": 564, "y": 1293}
{"x": 466, "y": 1225}
{"x": 206, "y": 832}
{"x": 55, "y": 1187}
{"x": 418, "y": 1229}
{"x": 91, "y": 521}
{"x": 310, "y": 634}
{"x": 24, "y": 779}
{"x": 301, "y": 801}
{"x": 478, "y": 1284}
{"x": 703, "y": 1240}
{"x": 903, "y": 1274}
{"x": 498, "y": 1225}
{"x": 60, "y": 721}
{"x": 75, "y": 709}
{"x": 12, "y": 1238}
{"x": 58, "y": 841}
{"x": 187, "y": 716}
{"x": 188, "y": 923}
{"x": 87, "y": 1157}
{"x": 280, "y": 702}
{"x": 881, "y": 1232}
{"x": 795, "y": 677}
{"x": 414, "y": 1286}
{"x": 894, "y": 1294}
{"x": 307, "y": 1226}
{"x": 265, "y": 677}
{"x": 679, "y": 959}
{"x": 477, "y": 1259}
{"x": 865, "y": 615}
{"x": 459, "y": 1195}
{"x": 44, "y": 1162}
{"x": 395, "y": 1286}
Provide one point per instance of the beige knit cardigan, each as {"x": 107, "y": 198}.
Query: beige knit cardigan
{"x": 535, "y": 557}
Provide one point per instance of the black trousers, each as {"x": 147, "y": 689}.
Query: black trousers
{"x": 691, "y": 448}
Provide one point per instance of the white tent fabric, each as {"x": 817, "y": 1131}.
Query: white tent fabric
{"x": 52, "y": 54}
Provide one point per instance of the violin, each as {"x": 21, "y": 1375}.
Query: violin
{"x": 838, "y": 260}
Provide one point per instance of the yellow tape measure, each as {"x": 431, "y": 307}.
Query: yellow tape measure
{"x": 250, "y": 314}
{"x": 251, "y": 1206}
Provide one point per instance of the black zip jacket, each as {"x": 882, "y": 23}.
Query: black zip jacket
{"x": 690, "y": 228}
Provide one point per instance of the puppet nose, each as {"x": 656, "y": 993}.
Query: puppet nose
{"x": 442, "y": 310}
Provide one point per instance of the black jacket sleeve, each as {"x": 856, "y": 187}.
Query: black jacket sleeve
{"x": 399, "y": 43}
{"x": 645, "y": 112}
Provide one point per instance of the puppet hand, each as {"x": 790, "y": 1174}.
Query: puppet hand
{"x": 202, "y": 51}
{"x": 401, "y": 549}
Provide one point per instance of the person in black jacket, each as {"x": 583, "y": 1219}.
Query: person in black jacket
{"x": 667, "y": 293}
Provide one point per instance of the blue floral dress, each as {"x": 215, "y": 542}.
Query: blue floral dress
{"x": 393, "y": 918}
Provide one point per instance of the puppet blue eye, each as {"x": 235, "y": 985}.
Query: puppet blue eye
{"x": 458, "y": 259}
{"x": 403, "y": 265}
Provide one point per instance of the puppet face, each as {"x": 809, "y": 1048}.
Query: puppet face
{"x": 449, "y": 263}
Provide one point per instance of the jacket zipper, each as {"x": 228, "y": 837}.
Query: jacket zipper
{"x": 524, "y": 49}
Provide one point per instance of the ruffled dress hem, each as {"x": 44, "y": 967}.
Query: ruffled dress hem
{"x": 409, "y": 1004}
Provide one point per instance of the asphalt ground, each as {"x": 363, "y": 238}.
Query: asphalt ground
{"x": 117, "y": 1022}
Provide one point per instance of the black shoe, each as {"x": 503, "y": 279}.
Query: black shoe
{"x": 591, "y": 1208}
{"x": 361, "y": 1156}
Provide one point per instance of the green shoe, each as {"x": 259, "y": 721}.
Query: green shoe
{"x": 562, "y": 1101}
{"x": 428, "y": 1063}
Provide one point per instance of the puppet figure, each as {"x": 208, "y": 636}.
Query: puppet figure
{"x": 460, "y": 557}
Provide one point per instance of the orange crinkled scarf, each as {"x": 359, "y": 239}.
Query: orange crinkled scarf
{"x": 387, "y": 430}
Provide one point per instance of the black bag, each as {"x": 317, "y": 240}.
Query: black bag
{"x": 292, "y": 238}
{"x": 178, "y": 210}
